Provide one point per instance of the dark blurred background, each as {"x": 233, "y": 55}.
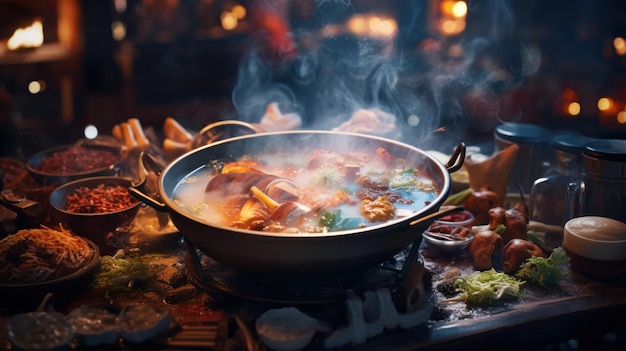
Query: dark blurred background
{"x": 462, "y": 67}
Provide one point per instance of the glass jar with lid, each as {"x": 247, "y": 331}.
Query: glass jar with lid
{"x": 530, "y": 164}
{"x": 549, "y": 202}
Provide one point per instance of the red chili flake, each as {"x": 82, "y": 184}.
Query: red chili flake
{"x": 77, "y": 159}
{"x": 101, "y": 199}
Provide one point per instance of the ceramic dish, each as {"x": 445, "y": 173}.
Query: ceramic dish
{"x": 95, "y": 224}
{"x": 448, "y": 243}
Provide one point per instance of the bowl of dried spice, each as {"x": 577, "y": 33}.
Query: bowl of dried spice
{"x": 95, "y": 207}
{"x": 61, "y": 164}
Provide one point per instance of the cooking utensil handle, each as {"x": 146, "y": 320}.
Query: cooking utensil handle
{"x": 456, "y": 160}
{"x": 149, "y": 171}
{"x": 573, "y": 200}
{"x": 221, "y": 130}
{"x": 159, "y": 206}
{"x": 441, "y": 213}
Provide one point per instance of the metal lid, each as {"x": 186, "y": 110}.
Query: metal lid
{"x": 522, "y": 133}
{"x": 606, "y": 158}
{"x": 607, "y": 149}
{"x": 570, "y": 143}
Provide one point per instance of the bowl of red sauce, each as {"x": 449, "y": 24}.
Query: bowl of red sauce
{"x": 95, "y": 207}
{"x": 65, "y": 163}
{"x": 462, "y": 218}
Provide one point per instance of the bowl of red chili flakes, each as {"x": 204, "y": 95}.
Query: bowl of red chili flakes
{"x": 65, "y": 163}
{"x": 95, "y": 207}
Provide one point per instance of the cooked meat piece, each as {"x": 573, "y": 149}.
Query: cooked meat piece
{"x": 479, "y": 203}
{"x": 234, "y": 183}
{"x": 516, "y": 252}
{"x": 486, "y": 243}
{"x": 514, "y": 219}
{"x": 379, "y": 210}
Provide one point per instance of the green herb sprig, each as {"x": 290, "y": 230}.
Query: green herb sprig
{"x": 544, "y": 271}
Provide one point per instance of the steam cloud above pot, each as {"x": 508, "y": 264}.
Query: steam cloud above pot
{"x": 419, "y": 84}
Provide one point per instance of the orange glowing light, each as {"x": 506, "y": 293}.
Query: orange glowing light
{"x": 29, "y": 37}
{"x": 372, "y": 26}
{"x": 619, "y": 44}
{"x": 621, "y": 117}
{"x": 239, "y": 11}
{"x": 229, "y": 20}
{"x": 118, "y": 30}
{"x": 459, "y": 9}
{"x": 452, "y": 26}
{"x": 604, "y": 104}
{"x": 357, "y": 25}
{"x": 573, "y": 108}
{"x": 447, "y": 7}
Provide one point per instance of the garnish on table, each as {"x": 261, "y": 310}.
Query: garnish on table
{"x": 545, "y": 271}
{"x": 123, "y": 273}
{"x": 486, "y": 287}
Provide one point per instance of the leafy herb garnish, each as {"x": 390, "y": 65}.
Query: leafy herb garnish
{"x": 545, "y": 271}
{"x": 118, "y": 272}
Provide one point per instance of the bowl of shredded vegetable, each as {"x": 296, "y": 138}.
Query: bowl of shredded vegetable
{"x": 95, "y": 207}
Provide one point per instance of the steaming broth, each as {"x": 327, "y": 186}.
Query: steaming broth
{"x": 305, "y": 192}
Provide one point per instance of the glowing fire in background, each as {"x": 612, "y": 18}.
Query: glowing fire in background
{"x": 610, "y": 110}
{"x": 373, "y": 26}
{"x": 453, "y": 14}
{"x": 29, "y": 37}
{"x": 230, "y": 18}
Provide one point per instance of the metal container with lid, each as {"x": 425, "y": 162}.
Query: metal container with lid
{"x": 603, "y": 186}
{"x": 531, "y": 157}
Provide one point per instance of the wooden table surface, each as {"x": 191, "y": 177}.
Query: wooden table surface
{"x": 578, "y": 308}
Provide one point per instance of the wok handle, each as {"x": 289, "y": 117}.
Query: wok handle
{"x": 435, "y": 215}
{"x": 221, "y": 130}
{"x": 456, "y": 160}
{"x": 149, "y": 171}
{"x": 139, "y": 195}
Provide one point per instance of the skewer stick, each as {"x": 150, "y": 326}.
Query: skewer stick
{"x": 268, "y": 201}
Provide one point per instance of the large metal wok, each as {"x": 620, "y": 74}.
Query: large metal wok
{"x": 330, "y": 253}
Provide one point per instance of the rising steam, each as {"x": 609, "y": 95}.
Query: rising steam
{"x": 418, "y": 80}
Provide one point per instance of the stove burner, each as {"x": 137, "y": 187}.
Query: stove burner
{"x": 212, "y": 276}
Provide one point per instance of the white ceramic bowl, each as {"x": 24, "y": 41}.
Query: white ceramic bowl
{"x": 596, "y": 246}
